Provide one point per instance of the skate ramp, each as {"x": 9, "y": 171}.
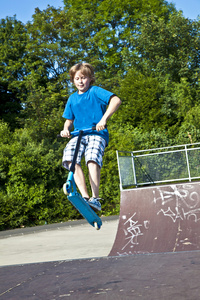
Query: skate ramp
{"x": 159, "y": 219}
{"x": 156, "y": 276}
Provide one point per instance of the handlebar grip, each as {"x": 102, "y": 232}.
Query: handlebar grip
{"x": 94, "y": 127}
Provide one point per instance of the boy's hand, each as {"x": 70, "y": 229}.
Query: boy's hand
{"x": 101, "y": 126}
{"x": 65, "y": 133}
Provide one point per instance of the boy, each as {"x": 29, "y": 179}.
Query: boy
{"x": 87, "y": 108}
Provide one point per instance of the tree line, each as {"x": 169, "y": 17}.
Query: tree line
{"x": 144, "y": 51}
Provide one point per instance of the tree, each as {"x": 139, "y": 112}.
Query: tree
{"x": 102, "y": 32}
{"x": 170, "y": 47}
{"x": 141, "y": 106}
{"x": 13, "y": 37}
{"x": 168, "y": 52}
{"x": 43, "y": 110}
{"x": 31, "y": 179}
{"x": 46, "y": 55}
{"x": 141, "y": 51}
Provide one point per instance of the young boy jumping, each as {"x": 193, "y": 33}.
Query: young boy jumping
{"x": 84, "y": 109}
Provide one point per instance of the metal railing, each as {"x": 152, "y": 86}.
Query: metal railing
{"x": 159, "y": 165}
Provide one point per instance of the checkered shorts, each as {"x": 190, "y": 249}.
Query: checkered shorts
{"x": 92, "y": 146}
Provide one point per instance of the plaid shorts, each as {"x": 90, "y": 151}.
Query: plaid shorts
{"x": 92, "y": 146}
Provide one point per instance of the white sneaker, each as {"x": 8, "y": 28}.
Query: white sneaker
{"x": 94, "y": 203}
{"x": 86, "y": 199}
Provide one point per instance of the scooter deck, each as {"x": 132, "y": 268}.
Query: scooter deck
{"x": 85, "y": 210}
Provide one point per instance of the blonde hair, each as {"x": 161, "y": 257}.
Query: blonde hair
{"x": 85, "y": 68}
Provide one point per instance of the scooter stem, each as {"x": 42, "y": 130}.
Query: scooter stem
{"x": 72, "y": 168}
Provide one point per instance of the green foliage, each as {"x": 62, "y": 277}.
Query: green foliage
{"x": 170, "y": 48}
{"x": 43, "y": 110}
{"x": 142, "y": 50}
{"x": 13, "y": 38}
{"x": 31, "y": 192}
{"x": 141, "y": 104}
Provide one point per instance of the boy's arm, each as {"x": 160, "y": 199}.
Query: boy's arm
{"x": 67, "y": 127}
{"x": 113, "y": 106}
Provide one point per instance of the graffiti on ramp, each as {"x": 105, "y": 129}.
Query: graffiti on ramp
{"x": 159, "y": 219}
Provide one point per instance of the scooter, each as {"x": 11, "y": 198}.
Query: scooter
{"x": 69, "y": 188}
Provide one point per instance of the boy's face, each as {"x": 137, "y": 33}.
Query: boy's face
{"x": 82, "y": 82}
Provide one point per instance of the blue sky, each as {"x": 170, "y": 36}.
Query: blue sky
{"x": 190, "y": 8}
{"x": 24, "y": 9}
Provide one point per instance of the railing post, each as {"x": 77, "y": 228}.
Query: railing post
{"x": 134, "y": 173}
{"x": 120, "y": 179}
{"x": 186, "y": 153}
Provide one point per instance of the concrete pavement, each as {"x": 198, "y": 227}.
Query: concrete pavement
{"x": 64, "y": 241}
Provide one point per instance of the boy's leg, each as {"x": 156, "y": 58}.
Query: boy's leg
{"x": 94, "y": 176}
{"x": 67, "y": 161}
{"x": 93, "y": 156}
{"x": 80, "y": 181}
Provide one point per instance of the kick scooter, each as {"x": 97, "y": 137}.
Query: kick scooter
{"x": 69, "y": 188}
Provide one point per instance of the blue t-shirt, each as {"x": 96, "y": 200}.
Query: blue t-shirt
{"x": 87, "y": 109}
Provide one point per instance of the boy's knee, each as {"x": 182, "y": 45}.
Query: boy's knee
{"x": 67, "y": 164}
{"x": 93, "y": 163}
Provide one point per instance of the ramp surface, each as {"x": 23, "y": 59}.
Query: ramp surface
{"x": 160, "y": 276}
{"x": 159, "y": 219}
{"x": 156, "y": 219}
{"x": 55, "y": 242}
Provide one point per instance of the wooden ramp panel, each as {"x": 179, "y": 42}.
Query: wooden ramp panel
{"x": 159, "y": 219}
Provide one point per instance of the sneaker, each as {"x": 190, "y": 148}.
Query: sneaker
{"x": 94, "y": 203}
{"x": 86, "y": 199}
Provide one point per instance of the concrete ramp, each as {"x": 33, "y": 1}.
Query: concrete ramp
{"x": 159, "y": 219}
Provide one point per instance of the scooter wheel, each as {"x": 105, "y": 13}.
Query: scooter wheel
{"x": 96, "y": 226}
{"x": 65, "y": 188}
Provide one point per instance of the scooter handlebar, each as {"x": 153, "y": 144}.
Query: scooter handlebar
{"x": 83, "y": 131}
